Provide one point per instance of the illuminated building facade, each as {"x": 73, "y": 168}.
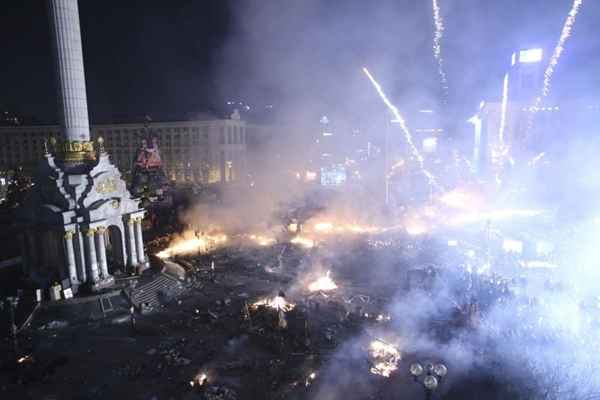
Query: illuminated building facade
{"x": 200, "y": 151}
{"x": 511, "y": 130}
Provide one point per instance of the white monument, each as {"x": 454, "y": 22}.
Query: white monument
{"x": 80, "y": 222}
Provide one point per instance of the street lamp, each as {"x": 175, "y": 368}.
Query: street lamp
{"x": 429, "y": 376}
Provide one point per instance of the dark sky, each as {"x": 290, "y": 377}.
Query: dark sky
{"x": 168, "y": 59}
{"x": 141, "y": 57}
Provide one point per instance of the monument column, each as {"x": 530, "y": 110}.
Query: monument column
{"x": 101, "y": 250}
{"x": 90, "y": 253}
{"x": 131, "y": 254}
{"x": 70, "y": 78}
{"x": 71, "y": 263}
{"x": 139, "y": 239}
{"x": 80, "y": 254}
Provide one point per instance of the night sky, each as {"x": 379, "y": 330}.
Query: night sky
{"x": 170, "y": 59}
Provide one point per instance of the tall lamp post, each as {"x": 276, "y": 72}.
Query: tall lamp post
{"x": 429, "y": 376}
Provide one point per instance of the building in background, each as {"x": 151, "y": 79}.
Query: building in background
{"x": 200, "y": 151}
{"x": 513, "y": 130}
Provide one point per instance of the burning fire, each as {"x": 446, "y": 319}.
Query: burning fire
{"x": 303, "y": 241}
{"x": 310, "y": 378}
{"x": 278, "y": 303}
{"x": 323, "y": 284}
{"x": 385, "y": 358}
{"x": 262, "y": 240}
{"x": 326, "y": 227}
{"x": 189, "y": 243}
{"x": 199, "y": 380}
{"x": 24, "y": 359}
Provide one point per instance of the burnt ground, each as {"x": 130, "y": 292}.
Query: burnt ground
{"x": 209, "y": 326}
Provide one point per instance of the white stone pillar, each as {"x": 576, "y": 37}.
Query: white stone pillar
{"x": 70, "y": 257}
{"x": 131, "y": 253}
{"x": 139, "y": 239}
{"x": 80, "y": 257}
{"x": 101, "y": 250}
{"x": 70, "y": 78}
{"x": 90, "y": 253}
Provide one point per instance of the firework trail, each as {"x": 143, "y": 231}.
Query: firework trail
{"x": 438, "y": 23}
{"x": 565, "y": 34}
{"x": 503, "y": 114}
{"x": 402, "y": 122}
{"x": 558, "y": 50}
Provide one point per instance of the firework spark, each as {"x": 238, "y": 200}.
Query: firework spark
{"x": 558, "y": 50}
{"x": 438, "y": 23}
{"x": 402, "y": 123}
{"x": 503, "y": 113}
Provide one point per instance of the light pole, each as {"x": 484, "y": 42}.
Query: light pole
{"x": 429, "y": 376}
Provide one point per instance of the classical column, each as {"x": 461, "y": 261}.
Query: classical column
{"x": 70, "y": 257}
{"x": 101, "y": 249}
{"x": 139, "y": 239}
{"x": 80, "y": 257}
{"x": 131, "y": 256}
{"x": 90, "y": 252}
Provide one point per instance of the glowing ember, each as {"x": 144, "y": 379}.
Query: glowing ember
{"x": 323, "y": 284}
{"x": 262, "y": 240}
{"x": 199, "y": 380}
{"x": 278, "y": 303}
{"x": 23, "y": 359}
{"x": 385, "y": 358}
{"x": 383, "y": 318}
{"x": 189, "y": 243}
{"x": 324, "y": 227}
{"x": 310, "y": 378}
{"x": 303, "y": 241}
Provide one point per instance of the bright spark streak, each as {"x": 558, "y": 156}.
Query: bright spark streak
{"x": 438, "y": 22}
{"x": 504, "y": 107}
{"x": 565, "y": 34}
{"x": 403, "y": 126}
{"x": 558, "y": 50}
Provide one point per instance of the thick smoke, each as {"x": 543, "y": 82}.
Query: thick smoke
{"x": 538, "y": 328}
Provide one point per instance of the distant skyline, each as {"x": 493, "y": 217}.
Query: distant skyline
{"x": 172, "y": 59}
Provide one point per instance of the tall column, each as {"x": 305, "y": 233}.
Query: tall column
{"x": 71, "y": 263}
{"x": 139, "y": 239}
{"x": 101, "y": 250}
{"x": 70, "y": 78}
{"x": 131, "y": 253}
{"x": 80, "y": 257}
{"x": 90, "y": 253}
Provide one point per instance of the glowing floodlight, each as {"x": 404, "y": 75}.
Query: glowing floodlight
{"x": 531, "y": 56}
